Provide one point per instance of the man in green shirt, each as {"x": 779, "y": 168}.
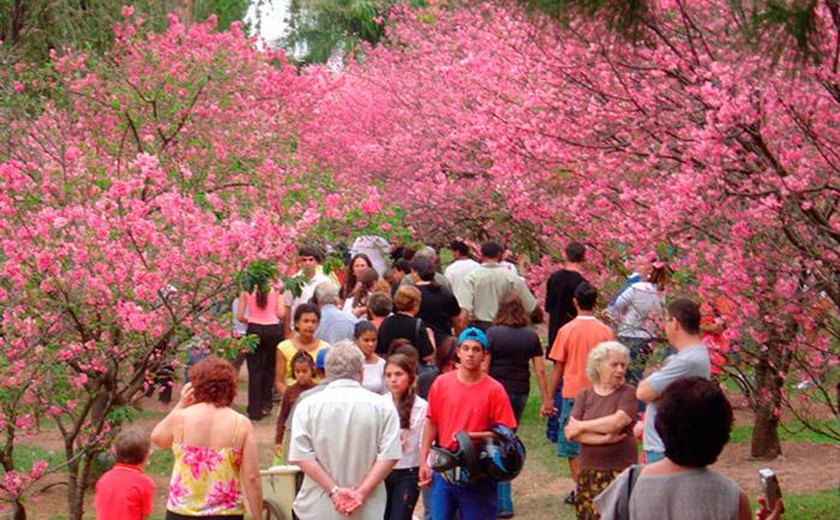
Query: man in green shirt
{"x": 478, "y": 294}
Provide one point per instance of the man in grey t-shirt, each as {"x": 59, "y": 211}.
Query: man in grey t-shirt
{"x": 682, "y": 327}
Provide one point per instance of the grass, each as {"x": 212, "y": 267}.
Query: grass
{"x": 25, "y": 455}
{"x": 542, "y": 457}
{"x": 790, "y": 431}
{"x": 823, "y": 504}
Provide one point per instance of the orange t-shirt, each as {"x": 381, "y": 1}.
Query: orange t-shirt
{"x": 571, "y": 347}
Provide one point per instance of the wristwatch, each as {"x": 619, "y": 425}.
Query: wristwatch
{"x": 333, "y": 490}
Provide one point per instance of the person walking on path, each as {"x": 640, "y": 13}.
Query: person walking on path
{"x": 310, "y": 269}
{"x": 401, "y": 483}
{"x": 637, "y": 312}
{"x": 682, "y": 328}
{"x": 346, "y": 440}
{"x": 306, "y": 318}
{"x": 479, "y": 293}
{"x": 512, "y": 345}
{"x": 571, "y": 348}
{"x": 262, "y": 310}
{"x": 215, "y": 469}
{"x": 462, "y": 263}
{"x": 466, "y": 400}
{"x": 559, "y": 292}
{"x": 335, "y": 324}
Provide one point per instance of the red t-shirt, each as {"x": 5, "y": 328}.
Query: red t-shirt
{"x": 456, "y": 406}
{"x": 124, "y": 492}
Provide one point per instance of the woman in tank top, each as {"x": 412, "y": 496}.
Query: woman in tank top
{"x": 265, "y": 310}
{"x": 215, "y": 470}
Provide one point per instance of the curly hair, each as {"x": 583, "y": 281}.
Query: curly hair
{"x": 694, "y": 419}
{"x": 213, "y": 381}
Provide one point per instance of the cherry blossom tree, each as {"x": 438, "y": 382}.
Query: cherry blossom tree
{"x": 127, "y": 205}
{"x": 487, "y": 122}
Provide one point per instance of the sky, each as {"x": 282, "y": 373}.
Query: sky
{"x": 267, "y": 18}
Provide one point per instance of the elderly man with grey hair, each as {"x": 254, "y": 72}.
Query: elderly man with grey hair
{"x": 346, "y": 440}
{"x": 335, "y": 325}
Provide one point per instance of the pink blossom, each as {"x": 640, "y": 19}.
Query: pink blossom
{"x": 200, "y": 460}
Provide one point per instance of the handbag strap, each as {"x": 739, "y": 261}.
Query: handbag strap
{"x": 632, "y": 477}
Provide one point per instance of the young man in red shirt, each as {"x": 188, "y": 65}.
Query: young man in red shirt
{"x": 468, "y": 400}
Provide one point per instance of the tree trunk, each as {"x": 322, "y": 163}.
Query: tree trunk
{"x": 765, "y": 442}
{"x": 18, "y": 510}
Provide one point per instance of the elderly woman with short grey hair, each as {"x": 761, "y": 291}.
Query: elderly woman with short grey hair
{"x": 602, "y": 422}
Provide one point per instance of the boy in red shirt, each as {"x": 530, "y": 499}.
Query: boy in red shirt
{"x": 125, "y": 492}
{"x": 468, "y": 400}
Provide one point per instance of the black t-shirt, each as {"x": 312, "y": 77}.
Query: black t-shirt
{"x": 398, "y": 326}
{"x": 559, "y": 292}
{"x": 511, "y": 349}
{"x": 437, "y": 308}
{"x": 425, "y": 380}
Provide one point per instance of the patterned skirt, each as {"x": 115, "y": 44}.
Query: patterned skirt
{"x": 590, "y": 483}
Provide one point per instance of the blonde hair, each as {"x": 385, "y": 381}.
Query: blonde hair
{"x": 599, "y": 354}
{"x": 407, "y": 298}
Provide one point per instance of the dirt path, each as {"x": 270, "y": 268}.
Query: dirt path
{"x": 804, "y": 468}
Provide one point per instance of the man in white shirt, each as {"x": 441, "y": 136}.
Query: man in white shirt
{"x": 309, "y": 264}
{"x": 346, "y": 440}
{"x": 461, "y": 266}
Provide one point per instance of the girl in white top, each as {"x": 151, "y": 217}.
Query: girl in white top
{"x": 374, "y": 366}
{"x": 401, "y": 483}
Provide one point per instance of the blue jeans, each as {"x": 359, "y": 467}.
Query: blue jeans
{"x": 476, "y": 501}
{"x": 653, "y": 456}
{"x": 517, "y": 402}
{"x": 565, "y": 447}
{"x": 552, "y": 425}
{"x": 401, "y": 486}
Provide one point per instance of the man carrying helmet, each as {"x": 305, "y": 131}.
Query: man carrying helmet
{"x": 463, "y": 403}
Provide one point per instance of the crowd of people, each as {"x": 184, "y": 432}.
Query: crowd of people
{"x": 398, "y": 383}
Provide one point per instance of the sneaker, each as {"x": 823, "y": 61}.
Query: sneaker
{"x": 570, "y": 498}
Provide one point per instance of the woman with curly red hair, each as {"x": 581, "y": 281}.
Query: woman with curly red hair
{"x": 215, "y": 470}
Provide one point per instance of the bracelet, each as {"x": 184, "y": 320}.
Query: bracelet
{"x": 333, "y": 490}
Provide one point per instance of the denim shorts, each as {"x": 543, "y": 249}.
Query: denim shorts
{"x": 565, "y": 447}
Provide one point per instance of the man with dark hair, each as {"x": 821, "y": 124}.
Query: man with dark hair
{"x": 682, "y": 327}
{"x": 439, "y": 308}
{"x": 570, "y": 351}
{"x": 559, "y": 293}
{"x": 468, "y": 400}
{"x": 479, "y": 293}
{"x": 461, "y": 266}
{"x": 309, "y": 264}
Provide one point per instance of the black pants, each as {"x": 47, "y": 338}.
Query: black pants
{"x": 175, "y": 516}
{"x": 401, "y": 486}
{"x": 261, "y": 368}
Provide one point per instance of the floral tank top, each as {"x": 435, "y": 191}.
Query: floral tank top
{"x": 205, "y": 481}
